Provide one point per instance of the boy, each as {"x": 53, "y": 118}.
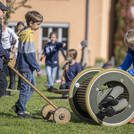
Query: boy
{"x": 129, "y": 59}
{"x": 26, "y": 61}
{"x": 3, "y": 53}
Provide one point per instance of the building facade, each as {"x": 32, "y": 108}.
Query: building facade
{"x": 69, "y": 18}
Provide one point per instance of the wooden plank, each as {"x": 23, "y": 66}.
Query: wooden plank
{"x": 63, "y": 91}
{"x": 11, "y": 90}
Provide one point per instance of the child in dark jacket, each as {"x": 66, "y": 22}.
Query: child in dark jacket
{"x": 71, "y": 69}
{"x": 51, "y": 53}
{"x": 3, "y": 53}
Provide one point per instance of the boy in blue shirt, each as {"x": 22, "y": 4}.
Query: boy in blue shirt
{"x": 129, "y": 59}
{"x": 51, "y": 53}
{"x": 26, "y": 61}
{"x": 3, "y": 53}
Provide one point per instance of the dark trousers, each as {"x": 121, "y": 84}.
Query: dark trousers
{"x": 11, "y": 75}
{"x": 3, "y": 82}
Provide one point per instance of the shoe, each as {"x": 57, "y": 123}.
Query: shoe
{"x": 57, "y": 81}
{"x": 131, "y": 121}
{"x": 25, "y": 115}
{"x": 109, "y": 102}
{"x": 50, "y": 89}
{"x": 108, "y": 111}
{"x": 65, "y": 96}
{"x": 14, "y": 108}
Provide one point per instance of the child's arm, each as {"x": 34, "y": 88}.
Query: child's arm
{"x": 63, "y": 79}
{"x": 42, "y": 56}
{"x": 126, "y": 63}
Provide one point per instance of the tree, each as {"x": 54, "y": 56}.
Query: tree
{"x": 15, "y": 5}
{"x": 124, "y": 22}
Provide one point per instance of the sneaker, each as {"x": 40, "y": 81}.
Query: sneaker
{"x": 50, "y": 89}
{"x": 65, "y": 96}
{"x": 108, "y": 111}
{"x": 25, "y": 115}
{"x": 131, "y": 121}
{"x": 57, "y": 81}
{"x": 14, "y": 108}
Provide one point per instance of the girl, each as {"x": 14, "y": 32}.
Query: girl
{"x": 51, "y": 53}
{"x": 71, "y": 69}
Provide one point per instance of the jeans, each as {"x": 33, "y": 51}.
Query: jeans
{"x": 3, "y": 82}
{"x": 51, "y": 72}
{"x": 26, "y": 91}
{"x": 66, "y": 85}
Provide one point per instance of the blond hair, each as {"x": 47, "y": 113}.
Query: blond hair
{"x": 129, "y": 37}
{"x": 33, "y": 16}
{"x": 53, "y": 33}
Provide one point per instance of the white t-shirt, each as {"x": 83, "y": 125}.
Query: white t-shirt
{"x": 7, "y": 36}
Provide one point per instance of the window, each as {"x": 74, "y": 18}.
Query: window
{"x": 60, "y": 28}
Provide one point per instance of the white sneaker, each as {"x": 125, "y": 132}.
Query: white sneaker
{"x": 57, "y": 81}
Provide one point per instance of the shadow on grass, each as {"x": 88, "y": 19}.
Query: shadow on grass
{"x": 74, "y": 119}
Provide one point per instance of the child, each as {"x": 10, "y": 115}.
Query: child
{"x": 26, "y": 61}
{"x": 7, "y": 38}
{"x": 20, "y": 25}
{"x": 71, "y": 69}
{"x": 84, "y": 56}
{"x": 51, "y": 52}
{"x": 3, "y": 53}
{"x": 129, "y": 59}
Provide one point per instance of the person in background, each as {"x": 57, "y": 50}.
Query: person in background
{"x": 71, "y": 69}
{"x": 20, "y": 26}
{"x": 3, "y": 53}
{"x": 84, "y": 56}
{"x": 57, "y": 72}
{"x": 9, "y": 42}
{"x": 51, "y": 53}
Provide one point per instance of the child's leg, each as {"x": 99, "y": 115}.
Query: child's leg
{"x": 49, "y": 75}
{"x": 54, "y": 69}
{"x": 31, "y": 90}
{"x": 24, "y": 92}
{"x": 3, "y": 83}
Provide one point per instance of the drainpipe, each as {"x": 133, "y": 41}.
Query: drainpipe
{"x": 87, "y": 16}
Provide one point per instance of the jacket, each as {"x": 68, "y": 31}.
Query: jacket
{"x": 3, "y": 52}
{"x": 26, "y": 59}
{"x": 129, "y": 59}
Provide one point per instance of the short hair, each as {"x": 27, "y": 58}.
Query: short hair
{"x": 72, "y": 52}
{"x": 20, "y": 23}
{"x": 33, "y": 16}
{"x": 129, "y": 37}
{"x": 53, "y": 33}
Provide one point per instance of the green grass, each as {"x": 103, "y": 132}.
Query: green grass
{"x": 10, "y": 124}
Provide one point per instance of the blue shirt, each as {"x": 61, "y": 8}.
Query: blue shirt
{"x": 51, "y": 53}
{"x": 3, "y": 52}
{"x": 73, "y": 70}
{"x": 129, "y": 59}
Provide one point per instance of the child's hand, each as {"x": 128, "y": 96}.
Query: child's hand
{"x": 39, "y": 73}
{"x": 11, "y": 55}
{"x": 64, "y": 44}
{"x": 41, "y": 58}
{"x": 62, "y": 82}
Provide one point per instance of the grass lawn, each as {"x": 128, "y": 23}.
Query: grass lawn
{"x": 10, "y": 124}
